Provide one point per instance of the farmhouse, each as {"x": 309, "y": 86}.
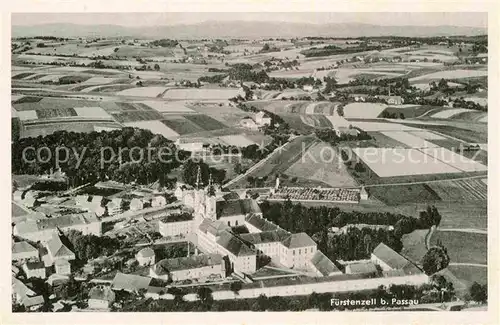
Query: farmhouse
{"x": 192, "y": 267}
{"x": 43, "y": 230}
{"x": 34, "y": 270}
{"x": 392, "y": 100}
{"x": 249, "y": 123}
{"x": 388, "y": 260}
{"x": 101, "y": 297}
{"x": 130, "y": 282}
{"x": 23, "y": 251}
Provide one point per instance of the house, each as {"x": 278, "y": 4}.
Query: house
{"x": 42, "y": 230}
{"x": 136, "y": 204}
{"x": 145, "y": 256}
{"x": 158, "y": 201}
{"x": 308, "y": 88}
{"x": 189, "y": 145}
{"x": 388, "y": 259}
{"x": 34, "y": 270}
{"x": 193, "y": 267}
{"x": 101, "y": 297}
{"x": 175, "y": 225}
{"x": 63, "y": 267}
{"x": 57, "y": 251}
{"x": 393, "y": 100}
{"x": 130, "y": 282}
{"x": 297, "y": 250}
{"x": 25, "y": 296}
{"x": 23, "y": 251}
{"x": 262, "y": 118}
{"x": 361, "y": 268}
{"x": 249, "y": 123}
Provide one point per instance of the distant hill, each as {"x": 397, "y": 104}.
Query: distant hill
{"x": 242, "y": 29}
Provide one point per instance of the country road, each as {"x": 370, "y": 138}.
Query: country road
{"x": 470, "y": 230}
{"x": 468, "y": 264}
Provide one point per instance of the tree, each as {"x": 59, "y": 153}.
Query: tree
{"x": 204, "y": 294}
{"x": 116, "y": 49}
{"x": 435, "y": 259}
{"x": 479, "y": 292}
{"x": 157, "y": 67}
{"x": 236, "y": 287}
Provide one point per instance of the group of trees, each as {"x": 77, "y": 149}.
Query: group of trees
{"x": 164, "y": 43}
{"x": 190, "y": 172}
{"x": 354, "y": 243}
{"x": 333, "y": 50}
{"x": 88, "y": 247}
{"x": 435, "y": 259}
{"x": 85, "y": 160}
{"x": 330, "y": 136}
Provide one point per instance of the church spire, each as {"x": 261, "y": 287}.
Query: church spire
{"x": 210, "y": 189}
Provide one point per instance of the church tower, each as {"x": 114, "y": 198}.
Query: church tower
{"x": 198, "y": 200}
{"x": 211, "y": 201}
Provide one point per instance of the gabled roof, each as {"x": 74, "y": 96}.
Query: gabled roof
{"x": 299, "y": 240}
{"x": 35, "y": 265}
{"x": 260, "y": 223}
{"x": 236, "y": 207}
{"x": 234, "y": 245}
{"x": 23, "y": 247}
{"x": 59, "y": 222}
{"x": 56, "y": 247}
{"x": 217, "y": 227}
{"x": 130, "y": 282}
{"x": 323, "y": 264}
{"x": 394, "y": 260}
{"x": 185, "y": 263}
{"x": 265, "y": 237}
{"x": 102, "y": 293}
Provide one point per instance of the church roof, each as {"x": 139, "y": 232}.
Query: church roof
{"x": 237, "y": 207}
{"x": 56, "y": 247}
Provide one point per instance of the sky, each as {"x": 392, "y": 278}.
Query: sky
{"x": 469, "y": 19}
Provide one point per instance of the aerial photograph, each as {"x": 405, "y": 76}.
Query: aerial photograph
{"x": 196, "y": 162}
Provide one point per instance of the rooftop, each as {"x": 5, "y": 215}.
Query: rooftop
{"x": 236, "y": 207}
{"x": 58, "y": 222}
{"x": 130, "y": 282}
{"x": 395, "y": 260}
{"x": 185, "y": 263}
{"x": 35, "y": 265}
{"x": 102, "y": 293}
{"x": 323, "y": 264}
{"x": 56, "y": 247}
{"x": 146, "y": 252}
{"x": 265, "y": 237}
{"x": 298, "y": 240}
{"x": 23, "y": 247}
{"x": 261, "y": 223}
{"x": 234, "y": 245}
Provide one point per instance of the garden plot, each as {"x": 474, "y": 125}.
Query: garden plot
{"x": 390, "y": 162}
{"x": 190, "y": 93}
{"x": 455, "y": 160}
{"x": 428, "y": 135}
{"x": 142, "y": 92}
{"x": 168, "y": 107}
{"x": 451, "y": 74}
{"x": 381, "y": 126}
{"x": 363, "y": 110}
{"x": 236, "y": 140}
{"x": 27, "y": 115}
{"x": 156, "y": 127}
{"x": 91, "y": 112}
{"x": 451, "y": 112}
{"x": 409, "y": 139}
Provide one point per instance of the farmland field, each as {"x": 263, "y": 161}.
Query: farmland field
{"x": 156, "y": 127}
{"x": 410, "y": 111}
{"x": 452, "y": 74}
{"x": 168, "y": 107}
{"x": 236, "y": 140}
{"x": 92, "y": 112}
{"x": 363, "y": 110}
{"x": 461, "y": 190}
{"x": 454, "y": 159}
{"x": 317, "y": 121}
{"x": 193, "y": 93}
{"x": 56, "y": 112}
{"x": 181, "y": 125}
{"x": 388, "y": 162}
{"x": 69, "y": 126}
{"x": 396, "y": 195}
{"x": 450, "y": 113}
{"x": 322, "y": 163}
{"x": 470, "y": 274}
{"x": 142, "y": 92}
{"x": 468, "y": 135}
{"x": 408, "y": 139}
{"x": 134, "y": 116}
{"x": 205, "y": 122}
{"x": 463, "y": 247}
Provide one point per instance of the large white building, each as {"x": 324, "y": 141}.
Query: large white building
{"x": 202, "y": 267}
{"x": 43, "y": 230}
